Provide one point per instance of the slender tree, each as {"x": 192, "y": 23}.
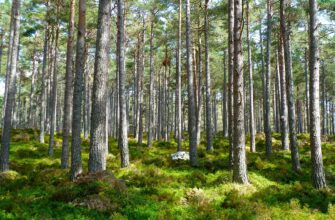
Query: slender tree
{"x": 76, "y": 166}
{"x": 53, "y": 98}
{"x": 68, "y": 89}
{"x": 32, "y": 90}
{"x": 123, "y": 132}
{"x": 178, "y": 84}
{"x": 98, "y": 145}
{"x": 267, "y": 121}
{"x": 191, "y": 99}
{"x": 209, "y": 125}
{"x": 43, "y": 96}
{"x": 224, "y": 96}
{"x": 289, "y": 87}
{"x": 318, "y": 174}
{"x": 151, "y": 82}
{"x": 230, "y": 79}
{"x": 10, "y": 84}
{"x": 251, "y": 86}
{"x": 240, "y": 166}
{"x": 283, "y": 99}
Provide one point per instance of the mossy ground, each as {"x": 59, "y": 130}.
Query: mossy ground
{"x": 159, "y": 188}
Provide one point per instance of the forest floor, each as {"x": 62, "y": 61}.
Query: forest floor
{"x": 155, "y": 187}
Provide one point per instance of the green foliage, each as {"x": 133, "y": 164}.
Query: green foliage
{"x": 155, "y": 187}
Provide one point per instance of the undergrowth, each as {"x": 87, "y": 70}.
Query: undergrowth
{"x": 155, "y": 187}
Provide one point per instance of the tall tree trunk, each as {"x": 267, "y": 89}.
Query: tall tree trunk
{"x": 151, "y": 83}
{"x": 324, "y": 102}
{"x": 199, "y": 88}
{"x": 76, "y": 164}
{"x": 251, "y": 87}
{"x": 267, "y": 120}
{"x": 98, "y": 145}
{"x": 224, "y": 96}
{"x": 191, "y": 99}
{"x": 53, "y": 98}
{"x": 240, "y": 166}
{"x": 306, "y": 89}
{"x": 178, "y": 83}
{"x": 209, "y": 125}
{"x": 9, "y": 54}
{"x": 137, "y": 85}
{"x": 262, "y": 71}
{"x": 141, "y": 88}
{"x": 278, "y": 97}
{"x": 10, "y": 84}
{"x": 86, "y": 90}
{"x": 230, "y": 79}
{"x": 43, "y": 96}
{"x": 289, "y": 88}
{"x": 283, "y": 111}
{"x": 318, "y": 175}
{"x": 68, "y": 89}
{"x": 32, "y": 91}
{"x": 123, "y": 130}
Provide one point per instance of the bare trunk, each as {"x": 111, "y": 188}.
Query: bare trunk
{"x": 306, "y": 89}
{"x": 76, "y": 164}
{"x": 283, "y": 111}
{"x": 32, "y": 91}
{"x": 151, "y": 86}
{"x": 191, "y": 99}
{"x": 267, "y": 120}
{"x": 53, "y": 98}
{"x": 240, "y": 166}
{"x": 43, "y": 97}
{"x": 98, "y": 145}
{"x": 251, "y": 87}
{"x": 178, "y": 84}
{"x": 289, "y": 89}
{"x": 230, "y": 80}
{"x": 10, "y": 84}
{"x": 318, "y": 174}
{"x": 123, "y": 130}
{"x": 209, "y": 125}
{"x": 68, "y": 90}
{"x": 224, "y": 97}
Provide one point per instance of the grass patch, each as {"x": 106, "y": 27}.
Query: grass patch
{"x": 155, "y": 187}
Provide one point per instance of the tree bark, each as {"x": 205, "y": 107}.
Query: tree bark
{"x": 224, "y": 96}
{"x": 98, "y": 145}
{"x": 32, "y": 91}
{"x": 151, "y": 83}
{"x": 230, "y": 79}
{"x": 267, "y": 120}
{"x": 53, "y": 98}
{"x": 76, "y": 164}
{"x": 191, "y": 99}
{"x": 289, "y": 89}
{"x": 11, "y": 88}
{"x": 68, "y": 90}
{"x": 251, "y": 87}
{"x": 240, "y": 166}
{"x": 141, "y": 88}
{"x": 209, "y": 124}
{"x": 283, "y": 111}
{"x": 318, "y": 175}
{"x": 306, "y": 89}
{"x": 123, "y": 130}
{"x": 43, "y": 96}
{"x": 178, "y": 83}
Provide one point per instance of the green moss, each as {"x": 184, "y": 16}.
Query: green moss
{"x": 155, "y": 187}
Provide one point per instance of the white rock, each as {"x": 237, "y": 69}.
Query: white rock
{"x": 181, "y": 155}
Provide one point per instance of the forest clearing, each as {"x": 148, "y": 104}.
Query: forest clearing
{"x": 156, "y": 109}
